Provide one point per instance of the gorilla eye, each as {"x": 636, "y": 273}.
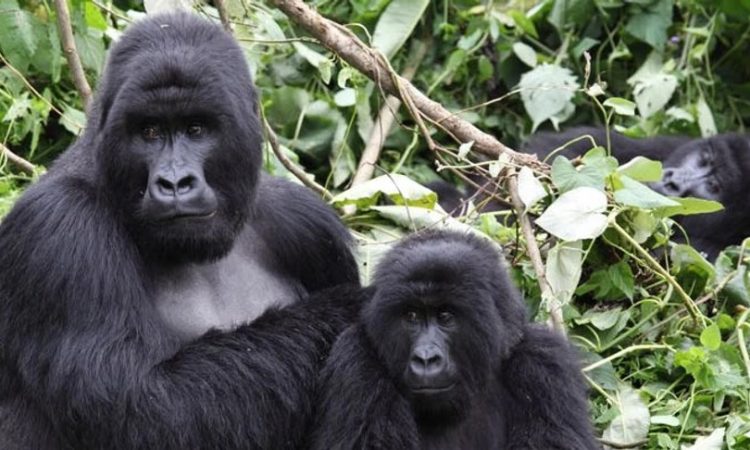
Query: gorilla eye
{"x": 445, "y": 317}
{"x": 195, "y": 130}
{"x": 411, "y": 316}
{"x": 151, "y": 132}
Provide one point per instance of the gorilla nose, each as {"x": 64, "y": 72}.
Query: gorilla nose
{"x": 427, "y": 361}
{"x": 174, "y": 186}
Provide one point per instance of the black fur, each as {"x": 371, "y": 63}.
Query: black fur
{"x": 713, "y": 168}
{"x": 518, "y": 386}
{"x": 86, "y": 362}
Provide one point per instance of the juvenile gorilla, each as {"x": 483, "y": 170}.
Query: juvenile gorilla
{"x": 714, "y": 168}
{"x": 444, "y": 357}
{"x": 154, "y": 228}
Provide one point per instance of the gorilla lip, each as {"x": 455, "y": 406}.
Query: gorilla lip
{"x": 187, "y": 216}
{"x": 432, "y": 390}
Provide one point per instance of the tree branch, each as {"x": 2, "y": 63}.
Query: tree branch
{"x": 347, "y": 46}
{"x": 221, "y": 6}
{"x": 68, "y": 42}
{"x": 23, "y": 165}
{"x": 555, "y": 309}
{"x": 384, "y": 122}
{"x": 290, "y": 166}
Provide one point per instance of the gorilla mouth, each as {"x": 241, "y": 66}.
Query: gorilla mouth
{"x": 431, "y": 390}
{"x": 180, "y": 216}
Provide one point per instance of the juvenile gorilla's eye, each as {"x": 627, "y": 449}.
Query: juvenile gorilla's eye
{"x": 195, "y": 129}
{"x": 151, "y": 132}
{"x": 411, "y": 316}
{"x": 445, "y": 317}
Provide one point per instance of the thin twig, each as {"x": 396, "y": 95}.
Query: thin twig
{"x": 71, "y": 53}
{"x": 25, "y": 166}
{"x": 221, "y": 6}
{"x": 535, "y": 256}
{"x": 384, "y": 122}
{"x": 290, "y": 166}
{"x": 351, "y": 49}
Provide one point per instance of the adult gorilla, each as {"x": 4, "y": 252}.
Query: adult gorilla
{"x": 713, "y": 168}
{"x": 445, "y": 358}
{"x": 155, "y": 227}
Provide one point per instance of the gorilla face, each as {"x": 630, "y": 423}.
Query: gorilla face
{"x": 177, "y": 125}
{"x": 715, "y": 169}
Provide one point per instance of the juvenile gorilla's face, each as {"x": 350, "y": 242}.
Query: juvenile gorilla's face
{"x": 437, "y": 343}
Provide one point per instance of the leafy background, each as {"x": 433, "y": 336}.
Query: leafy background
{"x": 662, "y": 329}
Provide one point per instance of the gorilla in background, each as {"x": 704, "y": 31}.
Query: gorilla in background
{"x": 714, "y": 168}
{"x": 154, "y": 228}
{"x": 444, "y": 357}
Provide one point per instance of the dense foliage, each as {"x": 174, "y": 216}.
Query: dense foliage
{"x": 662, "y": 329}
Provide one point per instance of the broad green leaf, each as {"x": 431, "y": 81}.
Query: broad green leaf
{"x": 602, "y": 320}
{"x": 711, "y": 337}
{"x": 396, "y": 24}
{"x": 547, "y": 93}
{"x": 652, "y": 94}
{"x": 399, "y": 188}
{"x": 633, "y": 193}
{"x": 73, "y": 119}
{"x": 567, "y": 13}
{"x": 641, "y": 169}
{"x": 621, "y": 106}
{"x": 713, "y": 441}
{"x": 565, "y": 176}
{"x": 345, "y": 97}
{"x": 320, "y": 62}
{"x": 690, "y": 205}
{"x": 633, "y": 420}
{"x": 523, "y": 22}
{"x": 530, "y": 190}
{"x": 563, "y": 269}
{"x": 652, "y": 23}
{"x": 525, "y": 53}
{"x": 464, "y": 149}
{"x": 705, "y": 118}
{"x": 576, "y": 214}
{"x": 19, "y": 41}
{"x": 670, "y": 421}
{"x": 416, "y": 218}
{"x": 160, "y": 6}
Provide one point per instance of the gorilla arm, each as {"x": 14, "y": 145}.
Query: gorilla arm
{"x": 290, "y": 218}
{"x": 88, "y": 349}
{"x": 548, "y": 395}
{"x": 358, "y": 405}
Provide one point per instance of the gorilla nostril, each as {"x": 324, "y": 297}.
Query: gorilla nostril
{"x": 186, "y": 184}
{"x": 165, "y": 186}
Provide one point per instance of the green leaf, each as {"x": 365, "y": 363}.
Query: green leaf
{"x": 652, "y": 94}
{"x": 713, "y": 441}
{"x": 399, "y": 188}
{"x": 345, "y": 97}
{"x": 547, "y": 93}
{"x": 530, "y": 190}
{"x": 565, "y": 176}
{"x": 396, "y": 24}
{"x": 19, "y": 41}
{"x": 711, "y": 337}
{"x": 651, "y": 24}
{"x": 705, "y": 118}
{"x": 320, "y": 62}
{"x": 688, "y": 206}
{"x": 633, "y": 420}
{"x": 416, "y": 218}
{"x": 642, "y": 169}
{"x": 576, "y": 214}
{"x": 633, "y": 193}
{"x": 523, "y": 22}
{"x": 563, "y": 269}
{"x": 525, "y": 53}
{"x": 566, "y": 13}
{"x": 621, "y": 106}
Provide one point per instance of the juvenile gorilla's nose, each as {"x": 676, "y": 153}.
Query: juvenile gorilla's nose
{"x": 427, "y": 361}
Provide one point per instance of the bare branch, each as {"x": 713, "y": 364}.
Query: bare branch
{"x": 347, "y": 46}
{"x": 384, "y": 122}
{"x": 555, "y": 311}
{"x": 25, "y": 166}
{"x": 221, "y": 6}
{"x": 71, "y": 53}
{"x": 290, "y": 166}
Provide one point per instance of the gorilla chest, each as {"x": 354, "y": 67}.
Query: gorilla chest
{"x": 193, "y": 298}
